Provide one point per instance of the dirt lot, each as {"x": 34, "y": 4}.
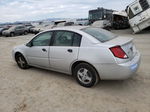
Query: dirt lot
{"x": 37, "y": 90}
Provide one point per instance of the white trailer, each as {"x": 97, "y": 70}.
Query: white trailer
{"x": 139, "y": 15}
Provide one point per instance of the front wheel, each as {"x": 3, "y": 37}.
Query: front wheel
{"x": 21, "y": 61}
{"x": 86, "y": 75}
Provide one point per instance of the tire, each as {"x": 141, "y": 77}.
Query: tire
{"x": 86, "y": 75}
{"x": 25, "y": 33}
{"x": 21, "y": 62}
{"x": 12, "y": 34}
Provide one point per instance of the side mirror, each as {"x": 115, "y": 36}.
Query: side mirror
{"x": 30, "y": 44}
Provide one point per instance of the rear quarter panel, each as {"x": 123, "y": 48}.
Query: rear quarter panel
{"x": 98, "y": 56}
{"x": 95, "y": 54}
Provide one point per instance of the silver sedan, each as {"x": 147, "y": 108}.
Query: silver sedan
{"x": 89, "y": 54}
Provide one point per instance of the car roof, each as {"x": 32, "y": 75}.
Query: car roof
{"x": 70, "y": 28}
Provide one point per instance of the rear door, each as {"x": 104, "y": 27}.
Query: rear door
{"x": 22, "y": 29}
{"x": 64, "y": 50}
{"x": 38, "y": 53}
{"x": 18, "y": 30}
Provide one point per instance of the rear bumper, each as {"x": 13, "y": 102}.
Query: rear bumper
{"x": 119, "y": 71}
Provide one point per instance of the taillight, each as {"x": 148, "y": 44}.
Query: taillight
{"x": 118, "y": 52}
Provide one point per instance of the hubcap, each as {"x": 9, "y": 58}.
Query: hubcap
{"x": 84, "y": 76}
{"x": 21, "y": 62}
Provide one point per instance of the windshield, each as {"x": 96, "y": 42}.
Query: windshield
{"x": 100, "y": 34}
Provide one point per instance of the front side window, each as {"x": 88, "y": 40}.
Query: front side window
{"x": 100, "y": 34}
{"x": 42, "y": 39}
{"x": 65, "y": 38}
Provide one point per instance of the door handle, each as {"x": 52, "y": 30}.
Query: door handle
{"x": 44, "y": 50}
{"x": 70, "y": 50}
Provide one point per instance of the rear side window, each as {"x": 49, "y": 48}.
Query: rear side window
{"x": 66, "y": 38}
{"x": 77, "y": 40}
{"x": 100, "y": 34}
{"x": 63, "y": 38}
{"x": 17, "y": 28}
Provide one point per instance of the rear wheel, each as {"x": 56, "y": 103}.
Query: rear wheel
{"x": 86, "y": 75}
{"x": 21, "y": 61}
{"x": 25, "y": 33}
{"x": 12, "y": 34}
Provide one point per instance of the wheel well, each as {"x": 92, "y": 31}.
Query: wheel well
{"x": 78, "y": 62}
{"x": 11, "y": 33}
{"x": 16, "y": 54}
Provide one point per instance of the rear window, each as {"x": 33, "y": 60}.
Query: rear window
{"x": 100, "y": 34}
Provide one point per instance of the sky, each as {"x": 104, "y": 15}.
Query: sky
{"x": 29, "y": 10}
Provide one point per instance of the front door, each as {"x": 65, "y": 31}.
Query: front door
{"x": 64, "y": 50}
{"x": 38, "y": 53}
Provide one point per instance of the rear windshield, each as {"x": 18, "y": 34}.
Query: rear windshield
{"x": 100, "y": 34}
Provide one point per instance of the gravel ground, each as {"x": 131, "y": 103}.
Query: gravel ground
{"x": 37, "y": 90}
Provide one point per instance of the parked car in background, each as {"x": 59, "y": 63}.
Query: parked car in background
{"x": 82, "y": 22}
{"x": 62, "y": 24}
{"x": 88, "y": 53}
{"x": 29, "y": 29}
{"x": 3, "y": 29}
{"x": 69, "y": 24}
{"x": 15, "y": 30}
{"x": 35, "y": 30}
{"x": 105, "y": 24}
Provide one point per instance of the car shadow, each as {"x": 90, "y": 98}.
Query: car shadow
{"x": 116, "y": 85}
{"x": 104, "y": 85}
{"x": 52, "y": 73}
{"x": 119, "y": 85}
